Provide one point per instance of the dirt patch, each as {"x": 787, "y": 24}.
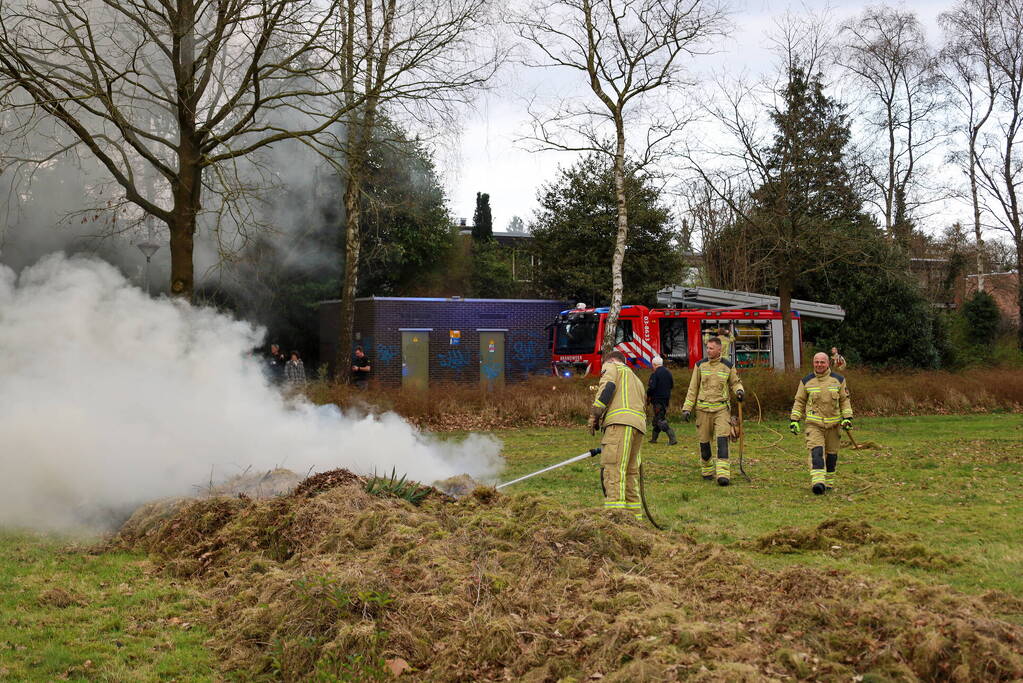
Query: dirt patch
{"x": 324, "y": 481}
{"x": 839, "y": 535}
{"x": 490, "y": 587}
{"x": 915, "y": 555}
{"x": 830, "y": 534}
{"x": 60, "y": 598}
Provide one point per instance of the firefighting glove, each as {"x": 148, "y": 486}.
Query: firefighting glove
{"x": 847, "y": 423}
{"x": 794, "y": 427}
{"x": 686, "y": 415}
{"x": 591, "y": 424}
{"x": 739, "y": 395}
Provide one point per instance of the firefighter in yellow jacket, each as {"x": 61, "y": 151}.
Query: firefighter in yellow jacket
{"x": 620, "y": 409}
{"x": 708, "y": 393}
{"x": 824, "y": 397}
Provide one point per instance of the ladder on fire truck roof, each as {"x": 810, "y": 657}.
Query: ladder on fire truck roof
{"x": 706, "y": 297}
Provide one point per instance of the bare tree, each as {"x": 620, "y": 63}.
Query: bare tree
{"x": 783, "y": 172}
{"x": 403, "y": 58}
{"x": 632, "y": 55}
{"x": 886, "y": 52}
{"x": 970, "y": 79}
{"x": 994, "y": 33}
{"x": 171, "y": 97}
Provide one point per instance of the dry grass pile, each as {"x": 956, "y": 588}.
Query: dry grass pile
{"x": 553, "y": 401}
{"x": 344, "y": 585}
{"x": 843, "y": 536}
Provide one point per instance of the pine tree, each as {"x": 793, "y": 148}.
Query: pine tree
{"x": 575, "y": 231}
{"x": 482, "y": 221}
{"x": 806, "y": 212}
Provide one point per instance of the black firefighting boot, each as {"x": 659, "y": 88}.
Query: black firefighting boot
{"x": 722, "y": 465}
{"x": 817, "y": 470}
{"x": 671, "y": 437}
{"x": 656, "y": 433}
{"x": 831, "y": 463}
{"x": 708, "y": 468}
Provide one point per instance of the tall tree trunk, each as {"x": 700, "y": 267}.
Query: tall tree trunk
{"x": 187, "y": 195}
{"x": 785, "y": 299}
{"x": 353, "y": 244}
{"x": 975, "y": 198}
{"x": 617, "y": 285}
{"x": 1019, "y": 289}
{"x": 187, "y": 188}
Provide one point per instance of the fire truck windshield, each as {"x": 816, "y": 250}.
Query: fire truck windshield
{"x": 576, "y": 334}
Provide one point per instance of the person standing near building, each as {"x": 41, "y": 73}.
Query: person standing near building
{"x": 658, "y": 393}
{"x": 824, "y": 398}
{"x": 837, "y": 360}
{"x": 294, "y": 372}
{"x": 713, "y": 378}
{"x": 619, "y": 410}
{"x": 360, "y": 368}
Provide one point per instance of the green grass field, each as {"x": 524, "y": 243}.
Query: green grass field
{"x": 947, "y": 490}
{"x": 66, "y": 614}
{"x": 954, "y": 482}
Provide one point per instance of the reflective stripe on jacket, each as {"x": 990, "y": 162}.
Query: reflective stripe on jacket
{"x": 710, "y": 384}
{"x": 824, "y": 398}
{"x": 628, "y": 405}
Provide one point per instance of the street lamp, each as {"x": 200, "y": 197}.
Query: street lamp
{"x": 148, "y": 249}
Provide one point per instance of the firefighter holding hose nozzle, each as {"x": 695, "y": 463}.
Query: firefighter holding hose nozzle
{"x": 713, "y": 376}
{"x": 619, "y": 408}
{"x": 824, "y": 397}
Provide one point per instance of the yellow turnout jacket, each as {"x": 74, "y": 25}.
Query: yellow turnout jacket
{"x": 627, "y": 405}
{"x": 824, "y": 398}
{"x": 708, "y": 388}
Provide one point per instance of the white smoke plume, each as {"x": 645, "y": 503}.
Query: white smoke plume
{"x": 110, "y": 398}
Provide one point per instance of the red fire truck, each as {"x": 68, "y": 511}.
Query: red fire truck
{"x": 679, "y": 331}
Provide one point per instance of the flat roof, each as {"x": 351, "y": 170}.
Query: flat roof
{"x": 439, "y": 299}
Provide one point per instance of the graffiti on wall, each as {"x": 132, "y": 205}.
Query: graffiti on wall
{"x": 386, "y": 353}
{"x": 456, "y": 360}
{"x": 530, "y": 352}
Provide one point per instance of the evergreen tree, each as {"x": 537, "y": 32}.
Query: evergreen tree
{"x": 406, "y": 228}
{"x": 575, "y": 230}
{"x": 482, "y": 221}
{"x": 806, "y": 214}
{"x": 982, "y": 318}
{"x": 888, "y": 321}
{"x": 516, "y": 225}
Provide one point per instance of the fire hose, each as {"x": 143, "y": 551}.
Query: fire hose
{"x": 583, "y": 456}
{"x": 742, "y": 444}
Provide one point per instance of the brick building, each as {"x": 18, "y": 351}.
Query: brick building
{"x": 420, "y": 341}
{"x": 1003, "y": 287}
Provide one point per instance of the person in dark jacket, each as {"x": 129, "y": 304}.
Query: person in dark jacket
{"x": 360, "y": 368}
{"x": 275, "y": 363}
{"x": 658, "y": 394}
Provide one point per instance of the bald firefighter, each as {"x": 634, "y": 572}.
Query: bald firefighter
{"x": 824, "y": 398}
{"x": 713, "y": 377}
{"x": 620, "y": 409}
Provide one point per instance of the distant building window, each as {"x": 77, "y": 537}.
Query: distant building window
{"x": 523, "y": 263}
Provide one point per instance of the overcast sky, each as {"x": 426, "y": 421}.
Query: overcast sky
{"x": 489, "y": 159}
